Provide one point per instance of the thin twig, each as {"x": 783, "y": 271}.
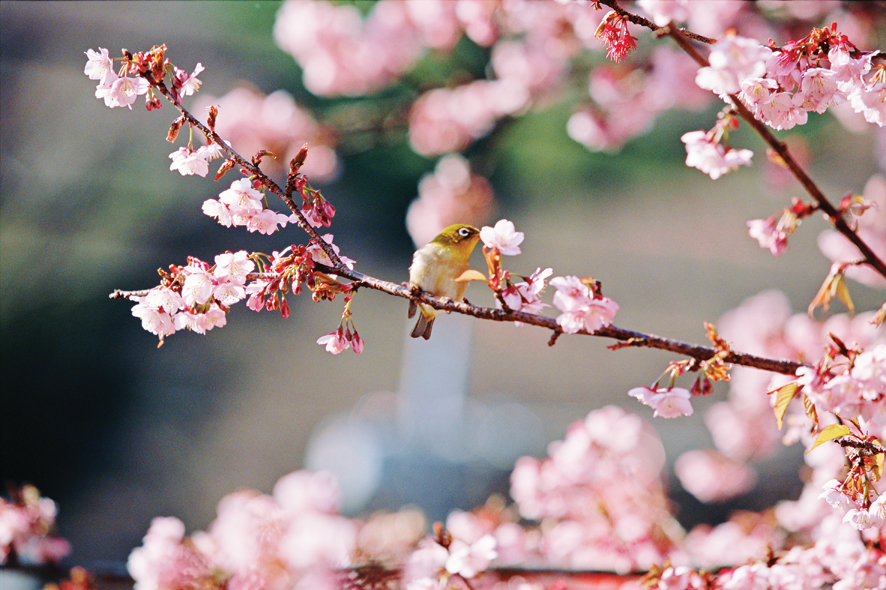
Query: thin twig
{"x": 214, "y": 137}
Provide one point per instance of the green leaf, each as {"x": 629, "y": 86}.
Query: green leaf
{"x": 830, "y": 433}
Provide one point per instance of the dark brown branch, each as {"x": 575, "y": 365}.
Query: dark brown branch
{"x": 628, "y": 337}
{"x": 634, "y": 338}
{"x": 865, "y": 447}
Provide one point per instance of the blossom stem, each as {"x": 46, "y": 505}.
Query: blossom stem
{"x": 214, "y": 137}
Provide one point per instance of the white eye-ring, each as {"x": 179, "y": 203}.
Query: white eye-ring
{"x": 464, "y": 232}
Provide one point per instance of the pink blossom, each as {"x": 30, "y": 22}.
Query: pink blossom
{"x": 233, "y": 267}
{"x": 784, "y": 111}
{"x": 120, "y": 92}
{"x": 669, "y": 402}
{"x": 189, "y": 320}
{"x": 165, "y": 299}
{"x": 712, "y": 477}
{"x": 870, "y": 100}
{"x": 188, "y": 162}
{"x": 525, "y": 295}
{"x": 680, "y": 578}
{"x": 188, "y": 83}
{"x": 251, "y": 121}
{"x": 266, "y": 221}
{"x": 712, "y": 158}
{"x": 581, "y": 309}
{"x": 153, "y": 320}
{"x": 757, "y": 91}
{"x": 445, "y": 120}
{"x": 228, "y": 293}
{"x": 819, "y": 90}
{"x": 467, "y": 560}
{"x": 335, "y": 342}
{"x": 452, "y": 194}
{"x": 732, "y": 60}
{"x": 833, "y": 494}
{"x": 218, "y": 210}
{"x": 308, "y": 491}
{"x": 242, "y": 198}
{"x": 665, "y": 11}
{"x": 769, "y": 234}
{"x": 256, "y": 291}
{"x": 26, "y": 527}
{"x": 870, "y": 227}
{"x": 214, "y": 317}
{"x": 197, "y": 288}
{"x": 503, "y": 236}
{"x": 99, "y": 66}
{"x": 849, "y": 71}
{"x": 315, "y": 538}
{"x": 357, "y": 343}
{"x": 425, "y": 565}
{"x": 319, "y": 256}
{"x": 165, "y": 561}
{"x": 877, "y": 511}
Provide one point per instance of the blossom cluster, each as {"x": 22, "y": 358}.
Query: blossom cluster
{"x": 121, "y": 89}
{"x": 242, "y": 205}
{"x": 295, "y": 538}
{"x": 600, "y": 494}
{"x": 781, "y": 86}
{"x": 824, "y": 565}
{"x": 198, "y": 296}
{"x": 27, "y": 530}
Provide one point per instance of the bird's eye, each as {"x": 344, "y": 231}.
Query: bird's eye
{"x": 464, "y": 232}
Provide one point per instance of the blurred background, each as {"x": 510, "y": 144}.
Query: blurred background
{"x": 118, "y": 431}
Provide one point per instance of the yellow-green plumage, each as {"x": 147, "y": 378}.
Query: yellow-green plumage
{"x": 434, "y": 269}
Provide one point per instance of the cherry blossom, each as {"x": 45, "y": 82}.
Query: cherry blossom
{"x": 27, "y": 530}
{"x": 503, "y": 236}
{"x": 188, "y": 84}
{"x": 120, "y": 92}
{"x": 582, "y": 309}
{"x": 711, "y": 157}
{"x": 188, "y": 162}
{"x": 469, "y": 559}
{"x": 710, "y": 476}
{"x": 668, "y": 402}
{"x": 526, "y": 295}
{"x": 769, "y": 234}
{"x": 451, "y": 194}
{"x": 732, "y": 60}
{"x": 99, "y": 66}
{"x": 335, "y": 342}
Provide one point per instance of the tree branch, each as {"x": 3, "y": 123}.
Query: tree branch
{"x": 681, "y": 37}
{"x": 629, "y": 337}
{"x": 214, "y": 137}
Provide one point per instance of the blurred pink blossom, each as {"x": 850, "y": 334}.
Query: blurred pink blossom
{"x": 251, "y": 121}
{"x": 711, "y": 476}
{"x": 451, "y": 194}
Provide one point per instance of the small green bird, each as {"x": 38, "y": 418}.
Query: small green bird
{"x": 434, "y": 269}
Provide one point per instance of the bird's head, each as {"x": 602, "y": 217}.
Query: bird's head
{"x": 460, "y": 237}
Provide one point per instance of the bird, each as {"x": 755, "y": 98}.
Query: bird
{"x": 435, "y": 266}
